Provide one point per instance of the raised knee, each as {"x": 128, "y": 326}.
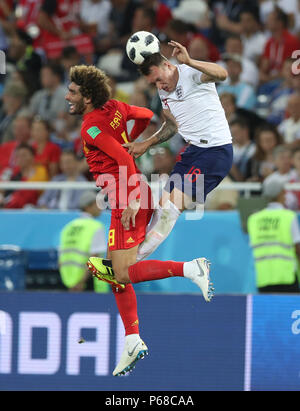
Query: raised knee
{"x": 121, "y": 275}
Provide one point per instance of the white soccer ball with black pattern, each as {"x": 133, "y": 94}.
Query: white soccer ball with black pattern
{"x": 141, "y": 45}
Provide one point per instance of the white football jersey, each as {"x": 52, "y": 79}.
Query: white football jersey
{"x": 197, "y": 109}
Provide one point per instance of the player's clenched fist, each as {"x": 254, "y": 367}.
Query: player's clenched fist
{"x": 129, "y": 214}
{"x": 180, "y": 52}
{"x": 136, "y": 148}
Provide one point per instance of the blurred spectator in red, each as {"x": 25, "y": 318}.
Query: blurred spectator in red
{"x": 279, "y": 47}
{"x": 27, "y": 12}
{"x": 49, "y": 102}
{"x": 60, "y": 26}
{"x": 46, "y": 152}
{"x": 26, "y": 61}
{"x": 67, "y": 199}
{"x": 252, "y": 36}
{"x": 183, "y": 33}
{"x": 262, "y": 163}
{"x": 83, "y": 167}
{"x": 6, "y": 10}
{"x": 162, "y": 12}
{"x": 13, "y": 101}
{"x": 290, "y": 127}
{"x": 21, "y": 131}
{"x": 27, "y": 171}
{"x": 198, "y": 49}
{"x": 290, "y": 7}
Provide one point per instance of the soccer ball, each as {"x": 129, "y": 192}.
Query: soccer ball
{"x": 141, "y": 45}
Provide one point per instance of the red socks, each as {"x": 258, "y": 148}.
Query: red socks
{"x": 141, "y": 271}
{"x": 127, "y": 305}
{"x": 154, "y": 270}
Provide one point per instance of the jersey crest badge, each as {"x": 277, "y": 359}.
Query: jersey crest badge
{"x": 179, "y": 92}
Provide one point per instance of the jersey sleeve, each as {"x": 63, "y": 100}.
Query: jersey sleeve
{"x": 195, "y": 75}
{"x": 142, "y": 117}
{"x": 108, "y": 145}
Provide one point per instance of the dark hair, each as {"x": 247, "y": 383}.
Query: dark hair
{"x": 181, "y": 27}
{"x": 253, "y": 11}
{"x": 93, "y": 83}
{"x": 259, "y": 154}
{"x": 155, "y": 59}
{"x": 240, "y": 121}
{"x": 24, "y": 37}
{"x": 38, "y": 119}
{"x": 26, "y": 147}
{"x": 56, "y": 69}
{"x": 68, "y": 52}
{"x": 148, "y": 13}
{"x": 234, "y": 37}
{"x": 282, "y": 16}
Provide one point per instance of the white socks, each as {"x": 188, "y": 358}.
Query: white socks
{"x": 188, "y": 268}
{"x": 162, "y": 223}
{"x": 131, "y": 339}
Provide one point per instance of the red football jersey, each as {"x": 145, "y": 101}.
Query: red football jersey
{"x": 277, "y": 51}
{"x": 103, "y": 133}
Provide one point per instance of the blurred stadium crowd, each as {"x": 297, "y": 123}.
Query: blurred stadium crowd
{"x": 257, "y": 41}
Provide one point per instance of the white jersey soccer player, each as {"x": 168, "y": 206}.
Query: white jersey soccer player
{"x": 192, "y": 107}
{"x": 197, "y": 109}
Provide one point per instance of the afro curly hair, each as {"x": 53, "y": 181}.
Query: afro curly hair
{"x": 93, "y": 83}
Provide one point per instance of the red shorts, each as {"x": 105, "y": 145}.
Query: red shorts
{"x": 121, "y": 239}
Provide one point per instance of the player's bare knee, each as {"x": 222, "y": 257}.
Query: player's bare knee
{"x": 121, "y": 275}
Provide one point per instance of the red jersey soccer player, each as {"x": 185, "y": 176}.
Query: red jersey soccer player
{"x": 103, "y": 132}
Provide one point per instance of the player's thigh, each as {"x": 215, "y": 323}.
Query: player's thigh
{"x": 181, "y": 200}
{"x": 121, "y": 261}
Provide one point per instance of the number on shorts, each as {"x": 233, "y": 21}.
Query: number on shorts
{"x": 111, "y": 237}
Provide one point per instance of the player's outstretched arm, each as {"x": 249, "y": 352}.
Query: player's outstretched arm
{"x": 167, "y": 130}
{"x": 142, "y": 117}
{"x": 212, "y": 72}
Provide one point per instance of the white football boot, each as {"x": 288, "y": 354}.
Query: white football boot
{"x": 132, "y": 352}
{"x": 198, "y": 271}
